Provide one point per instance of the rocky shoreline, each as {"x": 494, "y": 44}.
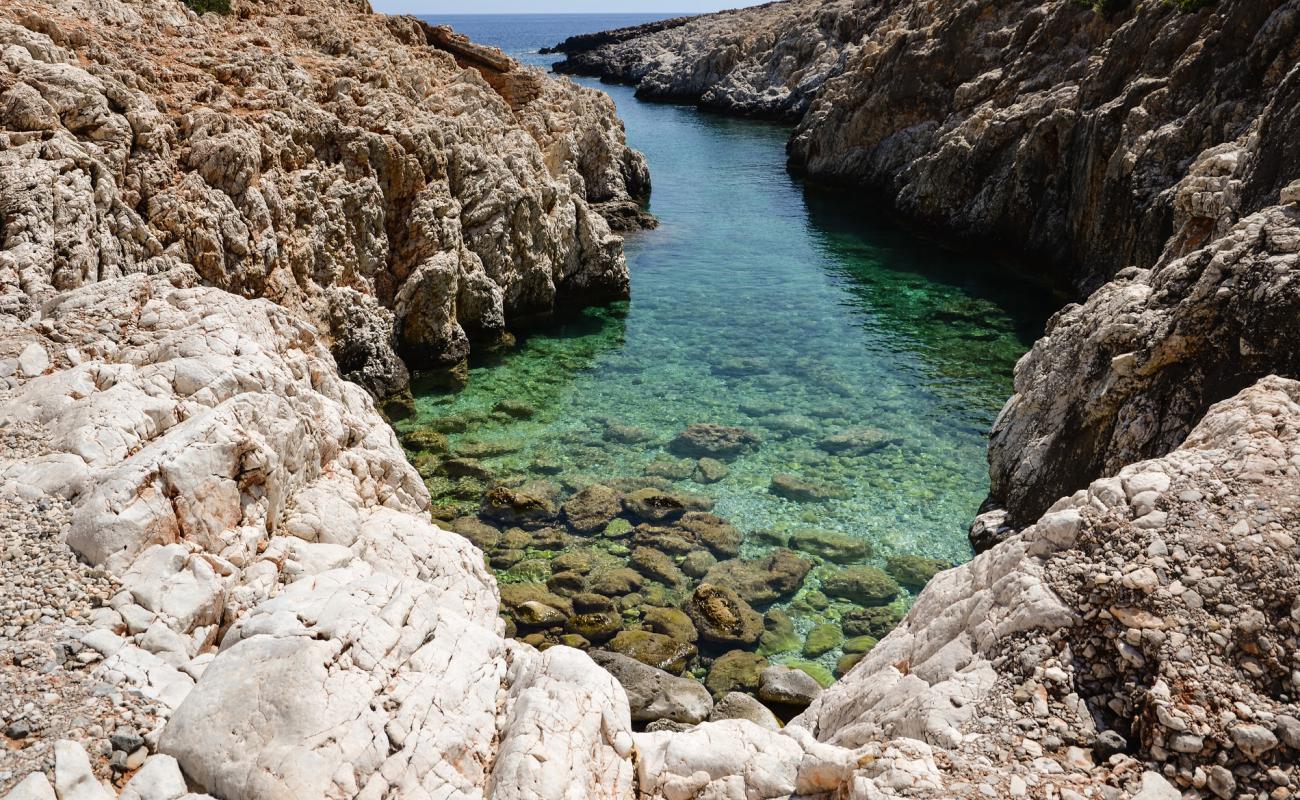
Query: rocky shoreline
{"x": 260, "y": 604}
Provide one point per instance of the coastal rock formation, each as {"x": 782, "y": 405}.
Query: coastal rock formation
{"x": 1147, "y": 144}
{"x": 405, "y": 190}
{"x": 766, "y": 61}
{"x": 1126, "y": 375}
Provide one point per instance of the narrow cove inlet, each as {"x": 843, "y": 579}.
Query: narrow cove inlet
{"x": 793, "y": 406}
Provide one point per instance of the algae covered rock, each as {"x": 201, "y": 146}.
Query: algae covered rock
{"x": 595, "y": 626}
{"x": 822, "y": 639}
{"x": 713, "y": 532}
{"x": 425, "y": 439}
{"x": 709, "y": 470}
{"x": 792, "y": 487}
{"x": 657, "y": 566}
{"x": 719, "y": 615}
{"x": 670, "y": 622}
{"x": 830, "y": 545}
{"x": 484, "y": 536}
{"x": 516, "y": 507}
{"x": 654, "y": 505}
{"x": 861, "y": 584}
{"x": 764, "y": 580}
{"x": 738, "y": 670}
{"x": 709, "y": 440}
{"x": 592, "y": 508}
{"x": 779, "y": 635}
{"x": 656, "y": 649}
{"x": 874, "y": 622}
{"x": 914, "y": 572}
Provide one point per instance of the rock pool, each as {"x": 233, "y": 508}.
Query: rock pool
{"x": 861, "y": 364}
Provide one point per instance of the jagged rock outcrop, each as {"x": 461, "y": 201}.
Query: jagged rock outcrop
{"x": 766, "y": 61}
{"x": 406, "y": 190}
{"x": 1128, "y": 373}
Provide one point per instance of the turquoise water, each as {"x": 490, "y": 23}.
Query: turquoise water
{"x": 760, "y": 303}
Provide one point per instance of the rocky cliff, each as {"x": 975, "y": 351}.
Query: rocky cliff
{"x": 220, "y": 571}
{"x": 404, "y": 189}
{"x": 1149, "y": 143}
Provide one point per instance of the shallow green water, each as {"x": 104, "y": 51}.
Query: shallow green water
{"x": 760, "y": 305}
{"x": 795, "y": 314}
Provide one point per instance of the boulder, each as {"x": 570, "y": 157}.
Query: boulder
{"x": 659, "y": 651}
{"x": 592, "y": 508}
{"x": 735, "y": 705}
{"x": 792, "y": 487}
{"x": 865, "y": 585}
{"x": 670, "y": 622}
{"x": 914, "y": 572}
{"x": 709, "y": 440}
{"x": 790, "y": 687}
{"x": 830, "y": 545}
{"x": 719, "y": 615}
{"x": 764, "y": 580}
{"x": 857, "y": 441}
{"x": 654, "y": 694}
{"x": 712, "y": 531}
{"x": 737, "y": 670}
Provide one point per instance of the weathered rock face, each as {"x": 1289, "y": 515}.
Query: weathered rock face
{"x": 404, "y": 189}
{"x": 766, "y": 61}
{"x": 1126, "y": 375}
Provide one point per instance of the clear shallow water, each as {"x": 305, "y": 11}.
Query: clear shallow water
{"x": 759, "y": 303}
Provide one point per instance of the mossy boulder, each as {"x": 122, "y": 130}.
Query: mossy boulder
{"x": 861, "y": 584}
{"x": 860, "y": 644}
{"x": 719, "y": 615}
{"x": 764, "y": 580}
{"x": 875, "y": 622}
{"x": 595, "y": 626}
{"x": 516, "y": 507}
{"x": 670, "y": 622}
{"x": 656, "y": 649}
{"x": 830, "y": 545}
{"x": 592, "y": 508}
{"x": 615, "y": 581}
{"x": 697, "y": 563}
{"x": 617, "y": 529}
{"x": 736, "y": 671}
{"x": 513, "y": 595}
{"x": 779, "y": 635}
{"x": 818, "y": 673}
{"x": 673, "y": 469}
{"x": 847, "y": 662}
{"x": 822, "y": 639}
{"x": 533, "y": 614}
{"x": 425, "y": 440}
{"x": 914, "y": 572}
{"x": 529, "y": 570}
{"x": 484, "y": 536}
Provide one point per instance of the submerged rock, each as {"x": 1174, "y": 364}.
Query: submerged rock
{"x": 786, "y": 686}
{"x": 761, "y": 581}
{"x": 709, "y": 440}
{"x": 737, "y": 670}
{"x": 857, "y": 441}
{"x": 719, "y": 615}
{"x": 822, "y": 639}
{"x": 830, "y": 545}
{"x": 670, "y": 622}
{"x": 792, "y": 487}
{"x": 861, "y": 584}
{"x": 658, "y": 650}
{"x": 914, "y": 572}
{"x": 592, "y": 508}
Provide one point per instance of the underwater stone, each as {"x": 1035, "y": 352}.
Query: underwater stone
{"x": 425, "y": 439}
{"x": 670, "y": 622}
{"x": 533, "y": 614}
{"x": 514, "y": 595}
{"x": 792, "y": 487}
{"x": 764, "y": 580}
{"x": 517, "y": 409}
{"x": 657, "y": 566}
{"x": 656, "y": 649}
{"x": 822, "y": 639}
{"x": 715, "y": 441}
{"x": 654, "y": 694}
{"x": 713, "y": 532}
{"x": 914, "y": 572}
{"x": 596, "y": 626}
{"x": 671, "y": 469}
{"x": 875, "y": 622}
{"x": 861, "y": 584}
{"x": 617, "y": 581}
{"x": 721, "y": 616}
{"x": 779, "y": 635}
{"x": 860, "y": 644}
{"x": 830, "y": 545}
{"x": 847, "y": 662}
{"x": 654, "y": 505}
{"x": 737, "y": 670}
{"x": 857, "y": 441}
{"x": 484, "y": 536}
{"x": 697, "y": 563}
{"x": 709, "y": 470}
{"x": 512, "y": 507}
{"x": 592, "y": 508}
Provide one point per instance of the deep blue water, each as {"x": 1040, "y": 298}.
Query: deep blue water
{"x": 793, "y": 313}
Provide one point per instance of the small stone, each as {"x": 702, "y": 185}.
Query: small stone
{"x": 1252, "y": 740}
